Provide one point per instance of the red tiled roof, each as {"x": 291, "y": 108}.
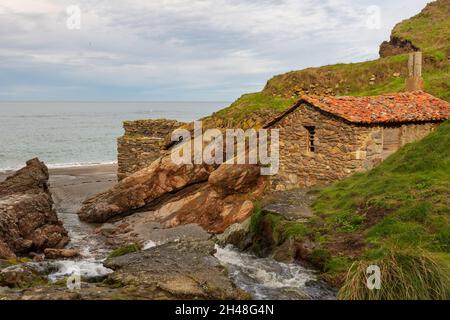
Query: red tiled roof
{"x": 395, "y": 107}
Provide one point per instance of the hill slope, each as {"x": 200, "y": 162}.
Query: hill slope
{"x": 428, "y": 31}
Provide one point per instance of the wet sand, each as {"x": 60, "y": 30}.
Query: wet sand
{"x": 71, "y": 186}
{"x": 89, "y": 170}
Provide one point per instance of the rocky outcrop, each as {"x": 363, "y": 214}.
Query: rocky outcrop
{"x": 176, "y": 270}
{"x": 232, "y": 179}
{"x": 142, "y": 188}
{"x": 174, "y": 195}
{"x": 238, "y": 234}
{"x": 292, "y": 205}
{"x": 19, "y": 276}
{"x": 27, "y": 219}
{"x": 396, "y": 46}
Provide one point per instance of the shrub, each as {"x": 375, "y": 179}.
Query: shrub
{"x": 405, "y": 275}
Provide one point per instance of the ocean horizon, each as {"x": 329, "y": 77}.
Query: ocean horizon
{"x": 68, "y": 134}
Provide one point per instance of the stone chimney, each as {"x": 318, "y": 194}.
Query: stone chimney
{"x": 414, "y": 82}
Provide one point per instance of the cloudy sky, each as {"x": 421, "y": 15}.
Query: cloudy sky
{"x": 180, "y": 50}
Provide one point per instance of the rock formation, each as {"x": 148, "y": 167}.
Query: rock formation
{"x": 173, "y": 195}
{"x": 396, "y": 46}
{"x": 176, "y": 270}
{"x": 27, "y": 219}
{"x": 142, "y": 188}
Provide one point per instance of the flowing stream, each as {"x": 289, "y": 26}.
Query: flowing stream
{"x": 265, "y": 278}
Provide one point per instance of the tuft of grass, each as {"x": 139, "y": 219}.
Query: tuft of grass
{"x": 410, "y": 275}
{"x": 255, "y": 220}
{"x": 18, "y": 261}
{"x": 124, "y": 250}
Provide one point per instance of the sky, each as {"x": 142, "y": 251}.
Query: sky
{"x": 179, "y": 50}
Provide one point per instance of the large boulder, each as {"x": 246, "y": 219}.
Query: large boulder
{"x": 178, "y": 195}
{"x": 162, "y": 177}
{"x": 234, "y": 178}
{"x": 205, "y": 207}
{"x": 176, "y": 270}
{"x": 27, "y": 219}
{"x": 19, "y": 276}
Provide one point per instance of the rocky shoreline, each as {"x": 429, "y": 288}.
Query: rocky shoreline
{"x": 28, "y": 221}
{"x": 145, "y": 258}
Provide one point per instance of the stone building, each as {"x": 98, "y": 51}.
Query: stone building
{"x": 142, "y": 143}
{"x": 324, "y": 139}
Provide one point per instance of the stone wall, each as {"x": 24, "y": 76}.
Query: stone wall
{"x": 340, "y": 148}
{"x": 142, "y": 143}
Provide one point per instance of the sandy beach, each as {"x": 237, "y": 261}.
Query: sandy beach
{"x": 71, "y": 186}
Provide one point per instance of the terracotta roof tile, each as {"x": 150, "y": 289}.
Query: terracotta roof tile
{"x": 395, "y": 107}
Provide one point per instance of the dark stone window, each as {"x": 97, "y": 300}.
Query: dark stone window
{"x": 311, "y": 138}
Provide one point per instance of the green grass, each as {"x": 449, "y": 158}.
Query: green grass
{"x": 256, "y": 219}
{"x": 124, "y": 250}
{"x": 282, "y": 229}
{"x": 404, "y": 275}
{"x": 18, "y": 260}
{"x": 238, "y": 113}
{"x": 428, "y": 30}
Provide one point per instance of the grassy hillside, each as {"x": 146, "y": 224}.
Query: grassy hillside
{"x": 429, "y": 31}
{"x": 403, "y": 201}
{"x": 403, "y": 205}
{"x": 396, "y": 216}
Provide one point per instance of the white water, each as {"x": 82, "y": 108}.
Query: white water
{"x": 266, "y": 278}
{"x": 84, "y": 268}
{"x": 93, "y": 251}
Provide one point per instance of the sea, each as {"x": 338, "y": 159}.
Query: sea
{"x": 65, "y": 134}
